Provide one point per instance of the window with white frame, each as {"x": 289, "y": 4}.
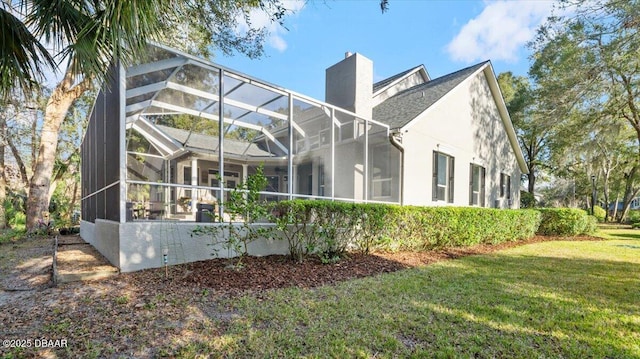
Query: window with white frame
{"x": 476, "y": 185}
{"x": 505, "y": 186}
{"x": 443, "y": 165}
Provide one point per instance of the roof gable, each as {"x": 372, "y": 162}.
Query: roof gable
{"x": 381, "y": 85}
{"x": 400, "y": 109}
{"x": 388, "y": 87}
{"x": 201, "y": 143}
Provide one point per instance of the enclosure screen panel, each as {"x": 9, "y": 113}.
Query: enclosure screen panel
{"x": 101, "y": 148}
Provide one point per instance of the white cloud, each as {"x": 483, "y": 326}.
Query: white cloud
{"x": 499, "y": 31}
{"x": 277, "y": 42}
{"x": 261, "y": 19}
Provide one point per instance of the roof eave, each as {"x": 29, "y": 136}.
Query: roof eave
{"x": 506, "y": 119}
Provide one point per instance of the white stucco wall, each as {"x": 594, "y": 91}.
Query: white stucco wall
{"x": 135, "y": 246}
{"x": 87, "y": 231}
{"x": 465, "y": 124}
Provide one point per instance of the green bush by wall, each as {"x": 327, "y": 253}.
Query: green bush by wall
{"x": 423, "y": 228}
{"x": 334, "y": 226}
{"x": 633, "y": 216}
{"x": 566, "y": 222}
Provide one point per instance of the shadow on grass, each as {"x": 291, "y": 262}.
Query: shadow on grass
{"x": 485, "y": 306}
{"x": 626, "y": 235}
{"x": 556, "y": 305}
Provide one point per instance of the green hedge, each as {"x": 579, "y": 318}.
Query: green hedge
{"x": 566, "y": 222}
{"x": 423, "y": 228}
{"x": 332, "y": 227}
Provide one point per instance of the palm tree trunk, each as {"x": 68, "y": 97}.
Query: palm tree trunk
{"x": 63, "y": 96}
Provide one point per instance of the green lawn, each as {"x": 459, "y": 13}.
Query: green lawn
{"x": 554, "y": 299}
{"x": 618, "y": 232}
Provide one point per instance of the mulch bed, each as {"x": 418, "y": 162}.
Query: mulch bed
{"x": 257, "y": 274}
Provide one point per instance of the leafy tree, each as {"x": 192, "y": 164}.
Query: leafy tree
{"x": 586, "y": 66}
{"x": 18, "y": 120}
{"x": 3, "y": 179}
{"x": 22, "y": 119}
{"x": 533, "y": 130}
{"x": 90, "y": 36}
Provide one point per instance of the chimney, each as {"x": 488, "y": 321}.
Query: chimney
{"x": 349, "y": 84}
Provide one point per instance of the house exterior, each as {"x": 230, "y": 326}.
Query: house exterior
{"x": 170, "y": 137}
{"x": 456, "y": 140}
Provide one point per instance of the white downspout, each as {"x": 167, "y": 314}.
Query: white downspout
{"x": 394, "y": 137}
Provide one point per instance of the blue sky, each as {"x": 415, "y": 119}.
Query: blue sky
{"x": 445, "y": 36}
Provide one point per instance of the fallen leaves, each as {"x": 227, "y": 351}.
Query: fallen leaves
{"x": 146, "y": 314}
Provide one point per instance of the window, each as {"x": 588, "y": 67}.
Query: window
{"x": 442, "y": 177}
{"x": 186, "y": 179}
{"x": 186, "y": 175}
{"x": 381, "y": 171}
{"x": 230, "y": 181}
{"x": 321, "y": 180}
{"x": 505, "y": 186}
{"x": 476, "y": 185}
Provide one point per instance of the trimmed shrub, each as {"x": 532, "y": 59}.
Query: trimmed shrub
{"x": 633, "y": 216}
{"x": 599, "y": 213}
{"x": 329, "y": 228}
{"x": 566, "y": 222}
{"x": 294, "y": 220}
{"x": 424, "y": 228}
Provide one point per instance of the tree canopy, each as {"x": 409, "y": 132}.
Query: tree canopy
{"x": 83, "y": 38}
{"x": 86, "y": 36}
{"x": 586, "y": 71}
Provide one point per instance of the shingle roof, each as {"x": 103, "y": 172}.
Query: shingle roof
{"x": 381, "y": 84}
{"x": 206, "y": 142}
{"x": 404, "y": 106}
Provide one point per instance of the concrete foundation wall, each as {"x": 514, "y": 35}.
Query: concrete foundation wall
{"x": 103, "y": 235}
{"x": 87, "y": 232}
{"x": 140, "y": 245}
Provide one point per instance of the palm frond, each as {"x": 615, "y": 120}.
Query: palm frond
{"x": 120, "y": 31}
{"x": 23, "y": 59}
{"x": 93, "y": 34}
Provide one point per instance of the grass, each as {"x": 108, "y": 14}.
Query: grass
{"x": 552, "y": 299}
{"x": 571, "y": 299}
{"x": 12, "y": 235}
{"x": 618, "y": 232}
